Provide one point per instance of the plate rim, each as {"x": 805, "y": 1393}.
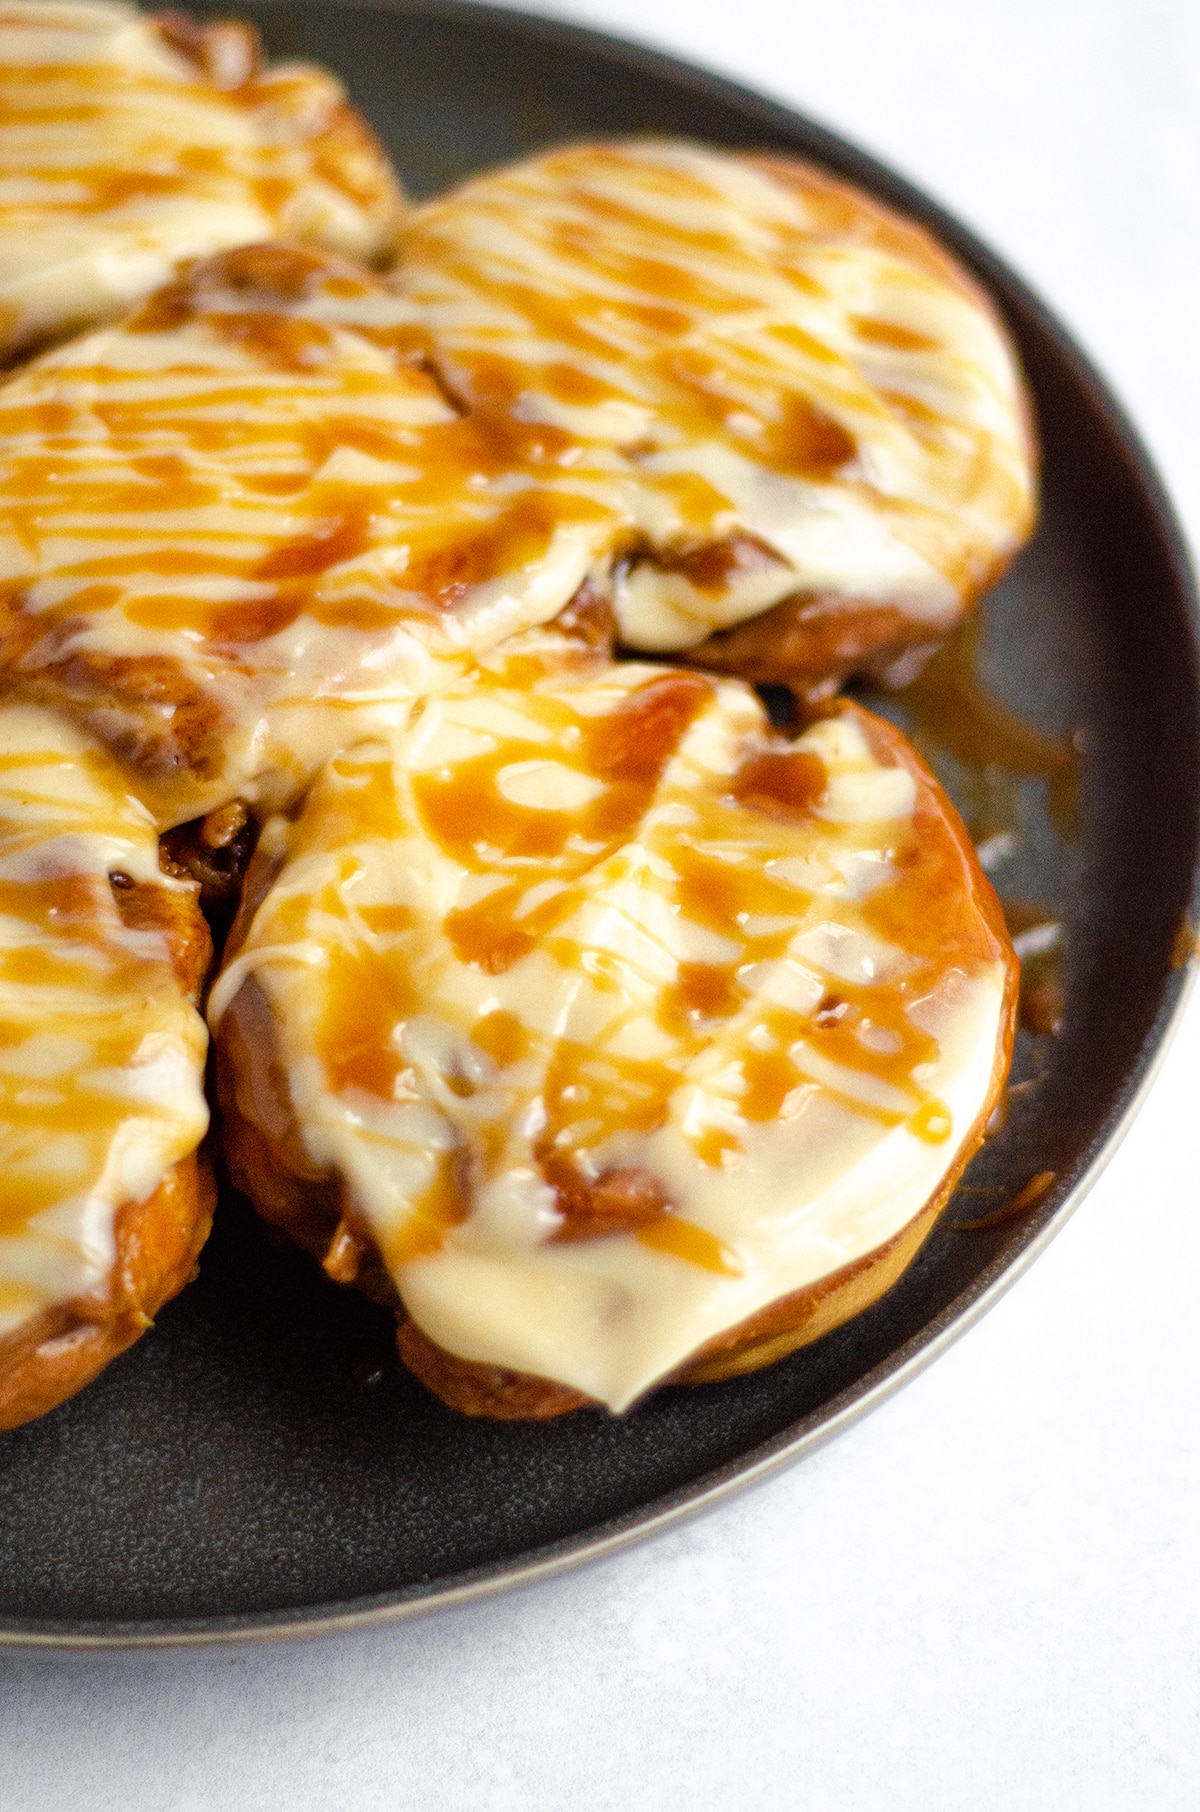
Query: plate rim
{"x": 767, "y": 1458}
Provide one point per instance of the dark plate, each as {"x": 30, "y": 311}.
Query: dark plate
{"x": 246, "y": 1470}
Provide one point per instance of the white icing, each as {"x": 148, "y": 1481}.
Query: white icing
{"x": 777, "y": 1194}
{"x": 101, "y": 1054}
{"x": 770, "y": 357}
{"x": 196, "y": 457}
{"x": 119, "y": 157}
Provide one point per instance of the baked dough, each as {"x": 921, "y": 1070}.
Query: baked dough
{"x": 618, "y": 1038}
{"x": 102, "y": 1206}
{"x": 808, "y": 407}
{"x": 129, "y": 143}
{"x": 246, "y": 527}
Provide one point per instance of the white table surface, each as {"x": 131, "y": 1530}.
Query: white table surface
{"x": 986, "y": 1595}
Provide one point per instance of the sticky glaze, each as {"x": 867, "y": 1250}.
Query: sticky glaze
{"x": 807, "y": 396}
{"x": 954, "y": 713}
{"x": 614, "y": 1017}
{"x": 125, "y": 147}
{"x": 101, "y": 1052}
{"x": 246, "y": 527}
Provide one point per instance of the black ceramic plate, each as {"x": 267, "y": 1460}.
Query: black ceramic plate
{"x": 259, "y": 1464}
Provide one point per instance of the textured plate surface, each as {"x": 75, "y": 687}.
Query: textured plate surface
{"x": 259, "y": 1464}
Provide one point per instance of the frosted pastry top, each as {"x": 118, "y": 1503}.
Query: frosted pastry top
{"x": 128, "y": 143}
{"x": 616, "y": 1016}
{"x": 808, "y": 396}
{"x": 246, "y": 526}
{"x": 101, "y": 1052}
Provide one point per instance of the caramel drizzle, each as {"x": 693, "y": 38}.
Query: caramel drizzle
{"x": 198, "y": 503}
{"x": 78, "y": 967}
{"x": 711, "y": 872}
{"x": 149, "y": 129}
{"x": 661, "y": 280}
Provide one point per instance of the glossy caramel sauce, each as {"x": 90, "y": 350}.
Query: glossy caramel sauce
{"x": 1185, "y": 947}
{"x": 127, "y": 145}
{"x": 801, "y": 392}
{"x": 101, "y": 1050}
{"x": 247, "y": 526}
{"x": 953, "y": 712}
{"x": 1039, "y": 942}
{"x": 1024, "y": 1199}
{"x": 234, "y": 529}
{"x": 556, "y": 971}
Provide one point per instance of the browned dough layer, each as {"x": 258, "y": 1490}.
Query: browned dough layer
{"x": 144, "y": 708}
{"x": 263, "y": 1151}
{"x": 143, "y": 906}
{"x": 52, "y": 1356}
{"x": 811, "y": 644}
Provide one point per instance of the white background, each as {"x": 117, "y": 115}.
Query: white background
{"x": 987, "y": 1595}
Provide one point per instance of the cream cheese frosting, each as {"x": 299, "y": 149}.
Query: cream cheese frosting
{"x": 101, "y": 1052}
{"x": 128, "y": 144}
{"x": 615, "y": 1017}
{"x": 805, "y": 394}
{"x": 249, "y": 524}
{"x": 246, "y": 527}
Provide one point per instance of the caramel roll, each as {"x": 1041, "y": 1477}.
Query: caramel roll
{"x": 129, "y": 143}
{"x": 815, "y": 411}
{"x": 102, "y": 1053}
{"x": 246, "y": 527}
{"x": 594, "y": 1021}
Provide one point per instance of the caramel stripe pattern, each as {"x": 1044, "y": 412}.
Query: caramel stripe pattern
{"x": 610, "y": 1016}
{"x": 805, "y": 393}
{"x": 129, "y": 143}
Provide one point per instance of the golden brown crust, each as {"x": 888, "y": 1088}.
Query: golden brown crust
{"x": 811, "y": 643}
{"x": 144, "y": 708}
{"x": 483, "y": 1390}
{"x": 49, "y": 1358}
{"x": 264, "y": 1153}
{"x": 54, "y": 1354}
{"x": 145, "y": 906}
{"x": 265, "y": 1157}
